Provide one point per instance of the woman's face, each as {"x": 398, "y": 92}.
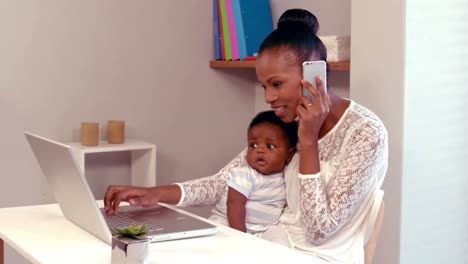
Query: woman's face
{"x": 280, "y": 77}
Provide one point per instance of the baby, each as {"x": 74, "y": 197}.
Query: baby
{"x": 255, "y": 194}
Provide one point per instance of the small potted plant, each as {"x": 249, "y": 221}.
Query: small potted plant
{"x": 130, "y": 245}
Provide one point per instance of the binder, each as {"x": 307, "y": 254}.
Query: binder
{"x": 217, "y": 37}
{"x": 239, "y": 30}
{"x": 221, "y": 33}
{"x": 232, "y": 30}
{"x": 225, "y": 38}
{"x": 256, "y": 22}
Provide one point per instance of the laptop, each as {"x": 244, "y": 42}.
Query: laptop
{"x": 77, "y": 202}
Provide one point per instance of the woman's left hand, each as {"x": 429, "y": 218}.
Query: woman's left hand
{"x": 312, "y": 114}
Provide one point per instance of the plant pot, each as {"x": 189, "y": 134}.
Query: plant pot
{"x": 129, "y": 250}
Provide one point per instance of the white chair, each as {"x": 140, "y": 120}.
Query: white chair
{"x": 371, "y": 244}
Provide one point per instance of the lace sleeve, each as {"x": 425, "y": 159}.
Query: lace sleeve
{"x": 325, "y": 209}
{"x": 208, "y": 190}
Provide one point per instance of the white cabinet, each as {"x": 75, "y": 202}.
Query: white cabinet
{"x": 143, "y": 158}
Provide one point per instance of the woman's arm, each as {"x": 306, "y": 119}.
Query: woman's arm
{"x": 326, "y": 209}
{"x": 139, "y": 196}
{"x": 199, "y": 192}
{"x": 208, "y": 190}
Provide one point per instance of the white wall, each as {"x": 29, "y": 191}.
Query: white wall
{"x": 377, "y": 82}
{"x": 435, "y": 183}
{"x": 66, "y": 61}
{"x": 409, "y": 66}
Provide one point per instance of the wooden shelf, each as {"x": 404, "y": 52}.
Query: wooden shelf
{"x": 143, "y": 158}
{"x": 334, "y": 66}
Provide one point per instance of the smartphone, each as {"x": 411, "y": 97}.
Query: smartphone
{"x": 310, "y": 69}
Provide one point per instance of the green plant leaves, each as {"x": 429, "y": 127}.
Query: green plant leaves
{"x": 132, "y": 231}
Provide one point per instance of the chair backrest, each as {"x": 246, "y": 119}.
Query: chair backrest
{"x": 371, "y": 245}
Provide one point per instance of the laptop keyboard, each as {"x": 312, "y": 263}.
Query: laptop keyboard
{"x": 122, "y": 219}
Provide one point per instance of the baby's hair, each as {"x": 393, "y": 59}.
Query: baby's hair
{"x": 297, "y": 29}
{"x": 290, "y": 129}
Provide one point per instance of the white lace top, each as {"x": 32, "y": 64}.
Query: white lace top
{"x": 324, "y": 216}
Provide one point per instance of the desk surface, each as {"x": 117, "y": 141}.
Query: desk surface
{"x": 43, "y": 235}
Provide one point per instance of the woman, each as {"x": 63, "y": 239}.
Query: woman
{"x": 333, "y": 180}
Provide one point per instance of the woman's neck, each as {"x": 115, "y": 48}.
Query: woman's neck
{"x": 337, "y": 109}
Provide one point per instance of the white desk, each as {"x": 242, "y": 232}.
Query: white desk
{"x": 42, "y": 235}
{"x": 143, "y": 158}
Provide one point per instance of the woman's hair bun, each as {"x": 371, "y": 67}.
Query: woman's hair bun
{"x": 293, "y": 18}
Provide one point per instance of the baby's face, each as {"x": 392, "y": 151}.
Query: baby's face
{"x": 268, "y": 149}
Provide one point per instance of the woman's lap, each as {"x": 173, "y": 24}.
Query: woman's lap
{"x": 276, "y": 234}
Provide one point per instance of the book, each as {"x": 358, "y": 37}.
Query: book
{"x": 239, "y": 29}
{"x": 217, "y": 37}
{"x": 256, "y": 23}
{"x": 225, "y": 38}
{"x": 232, "y": 30}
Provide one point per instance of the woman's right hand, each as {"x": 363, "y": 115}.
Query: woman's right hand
{"x": 135, "y": 196}
{"x": 312, "y": 114}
